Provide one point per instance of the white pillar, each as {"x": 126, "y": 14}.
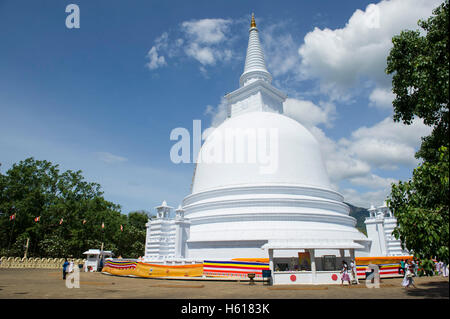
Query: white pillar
{"x": 147, "y": 238}
{"x": 312, "y": 255}
{"x": 178, "y": 239}
{"x": 271, "y": 265}
{"x": 352, "y": 253}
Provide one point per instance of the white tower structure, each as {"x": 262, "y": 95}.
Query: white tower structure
{"x": 160, "y": 241}
{"x": 251, "y": 208}
{"x": 166, "y": 236}
{"x": 380, "y": 224}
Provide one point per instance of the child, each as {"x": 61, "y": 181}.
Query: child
{"x": 344, "y": 272}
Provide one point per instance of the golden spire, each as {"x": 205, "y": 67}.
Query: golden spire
{"x": 253, "y": 23}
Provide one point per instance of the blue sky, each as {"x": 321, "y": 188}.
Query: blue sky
{"x": 104, "y": 98}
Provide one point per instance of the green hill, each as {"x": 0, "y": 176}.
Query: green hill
{"x": 360, "y": 215}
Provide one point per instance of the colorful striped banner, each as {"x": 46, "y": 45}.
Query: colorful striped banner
{"x": 389, "y": 266}
{"x": 238, "y": 269}
{"x": 120, "y": 264}
{"x": 140, "y": 269}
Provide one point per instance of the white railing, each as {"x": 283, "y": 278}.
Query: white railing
{"x": 42, "y": 263}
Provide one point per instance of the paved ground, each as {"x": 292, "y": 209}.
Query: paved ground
{"x": 43, "y": 283}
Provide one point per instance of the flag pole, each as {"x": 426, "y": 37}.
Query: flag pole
{"x": 26, "y": 248}
{"x": 12, "y": 229}
{"x": 103, "y": 238}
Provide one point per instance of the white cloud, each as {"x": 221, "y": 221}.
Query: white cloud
{"x": 207, "y": 31}
{"x": 207, "y": 55}
{"x": 205, "y": 40}
{"x": 381, "y": 98}
{"x": 365, "y": 199}
{"x": 373, "y": 181}
{"x": 208, "y": 41}
{"x": 204, "y": 55}
{"x": 384, "y": 154}
{"x": 110, "y": 158}
{"x": 340, "y": 164}
{"x": 387, "y": 145}
{"x": 280, "y": 50}
{"x": 156, "y": 61}
{"x": 397, "y": 132}
{"x": 309, "y": 114}
{"x": 340, "y": 58}
{"x": 218, "y": 114}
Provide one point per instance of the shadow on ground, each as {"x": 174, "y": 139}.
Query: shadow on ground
{"x": 431, "y": 290}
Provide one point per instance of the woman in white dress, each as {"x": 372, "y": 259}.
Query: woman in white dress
{"x": 409, "y": 274}
{"x": 354, "y": 271}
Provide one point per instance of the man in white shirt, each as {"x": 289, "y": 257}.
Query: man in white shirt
{"x": 354, "y": 271}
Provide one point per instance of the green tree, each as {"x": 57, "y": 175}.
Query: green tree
{"x": 34, "y": 188}
{"x": 420, "y": 82}
{"x": 132, "y": 239}
{"x": 420, "y": 68}
{"x": 421, "y": 206}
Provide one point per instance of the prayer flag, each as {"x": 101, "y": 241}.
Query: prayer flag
{"x": 13, "y": 216}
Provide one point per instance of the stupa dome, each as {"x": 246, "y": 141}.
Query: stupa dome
{"x": 295, "y": 159}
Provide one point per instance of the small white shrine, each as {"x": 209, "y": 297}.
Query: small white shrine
{"x": 93, "y": 258}
{"x": 380, "y": 225}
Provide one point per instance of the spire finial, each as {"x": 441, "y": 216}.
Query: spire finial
{"x": 253, "y": 23}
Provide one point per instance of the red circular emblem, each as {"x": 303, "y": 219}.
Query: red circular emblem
{"x": 293, "y": 278}
{"x": 334, "y": 277}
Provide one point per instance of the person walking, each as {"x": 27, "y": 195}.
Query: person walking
{"x": 414, "y": 267}
{"x": 65, "y": 265}
{"x": 401, "y": 270}
{"x": 100, "y": 266}
{"x": 70, "y": 270}
{"x": 441, "y": 268}
{"x": 409, "y": 274}
{"x": 345, "y": 276}
{"x": 354, "y": 271}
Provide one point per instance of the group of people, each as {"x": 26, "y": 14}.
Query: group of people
{"x": 404, "y": 264}
{"x": 442, "y": 269}
{"x": 346, "y": 271}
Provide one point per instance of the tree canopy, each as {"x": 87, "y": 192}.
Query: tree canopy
{"x": 420, "y": 82}
{"x": 62, "y": 214}
{"x": 420, "y": 67}
{"x": 421, "y": 206}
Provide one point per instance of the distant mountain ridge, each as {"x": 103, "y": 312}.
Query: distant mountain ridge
{"x": 360, "y": 215}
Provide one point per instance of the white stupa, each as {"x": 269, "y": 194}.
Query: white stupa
{"x": 260, "y": 190}
{"x": 237, "y": 210}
